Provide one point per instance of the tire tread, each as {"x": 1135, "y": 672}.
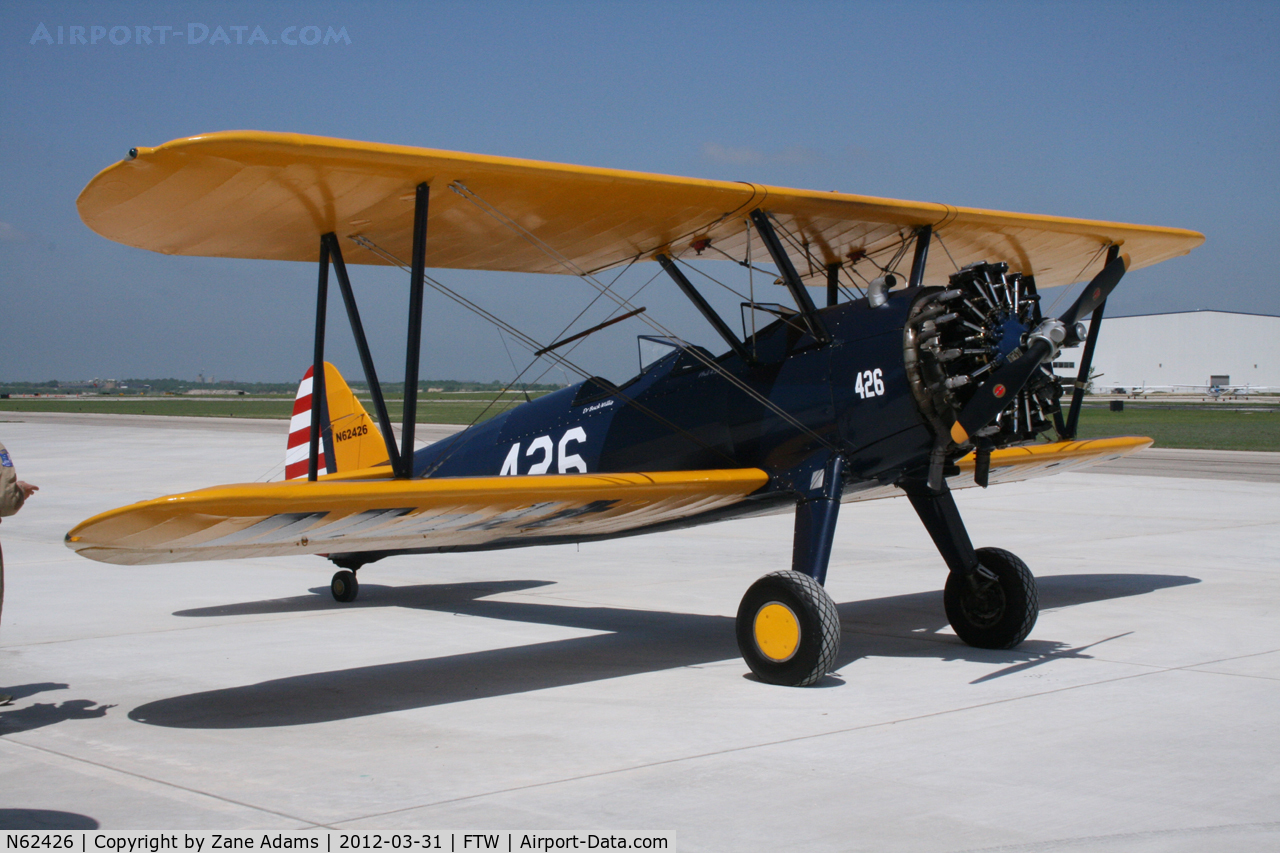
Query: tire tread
{"x": 1012, "y": 631}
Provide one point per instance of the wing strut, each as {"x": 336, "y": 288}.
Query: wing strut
{"x": 789, "y": 276}
{"x": 702, "y": 305}
{"x": 923, "y": 235}
{"x": 331, "y": 252}
{"x": 413, "y": 346}
{"x": 1086, "y": 360}
{"x": 607, "y": 290}
{"x": 362, "y": 345}
{"x": 317, "y": 365}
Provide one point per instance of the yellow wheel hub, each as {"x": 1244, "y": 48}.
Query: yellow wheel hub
{"x": 777, "y": 632}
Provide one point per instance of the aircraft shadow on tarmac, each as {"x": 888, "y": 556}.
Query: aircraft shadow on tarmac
{"x": 635, "y": 641}
{"x": 42, "y": 819}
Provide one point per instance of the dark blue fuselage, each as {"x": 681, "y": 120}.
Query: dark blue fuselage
{"x": 851, "y": 394}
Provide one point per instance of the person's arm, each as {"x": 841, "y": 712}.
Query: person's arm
{"x": 13, "y": 492}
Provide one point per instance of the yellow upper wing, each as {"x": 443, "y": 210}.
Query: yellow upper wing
{"x": 249, "y": 194}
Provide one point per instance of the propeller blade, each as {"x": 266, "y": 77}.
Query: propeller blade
{"x": 1099, "y": 289}
{"x": 994, "y": 394}
{"x": 1006, "y": 382}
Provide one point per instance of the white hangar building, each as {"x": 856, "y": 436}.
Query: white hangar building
{"x": 1188, "y": 350}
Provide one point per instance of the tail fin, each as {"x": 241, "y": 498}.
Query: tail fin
{"x": 349, "y": 438}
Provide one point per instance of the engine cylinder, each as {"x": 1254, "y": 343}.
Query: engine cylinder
{"x": 955, "y": 336}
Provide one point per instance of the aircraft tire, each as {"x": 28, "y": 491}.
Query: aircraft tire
{"x": 993, "y": 614}
{"x": 344, "y": 586}
{"x": 788, "y": 629}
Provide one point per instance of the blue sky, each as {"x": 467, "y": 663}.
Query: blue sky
{"x": 1160, "y": 113}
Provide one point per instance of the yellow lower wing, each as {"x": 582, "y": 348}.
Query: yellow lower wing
{"x": 1039, "y": 460}
{"x": 1012, "y": 464}
{"x": 366, "y": 512}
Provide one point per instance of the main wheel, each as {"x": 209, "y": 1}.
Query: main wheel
{"x": 344, "y": 586}
{"x": 788, "y": 629}
{"x": 994, "y": 613}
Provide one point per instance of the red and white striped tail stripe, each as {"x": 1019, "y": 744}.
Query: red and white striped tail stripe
{"x": 298, "y": 453}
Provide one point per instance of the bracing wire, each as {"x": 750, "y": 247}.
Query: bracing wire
{"x": 533, "y": 345}
{"x": 708, "y": 276}
{"x": 1063, "y": 292}
{"x": 788, "y": 321}
{"x": 943, "y": 244}
{"x": 610, "y": 316}
{"x": 569, "y": 265}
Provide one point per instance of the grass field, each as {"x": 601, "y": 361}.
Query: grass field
{"x": 1212, "y": 427}
{"x": 461, "y": 408}
{"x": 1192, "y": 426}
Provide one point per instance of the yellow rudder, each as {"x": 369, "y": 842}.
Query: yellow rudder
{"x": 357, "y": 441}
{"x": 352, "y": 441}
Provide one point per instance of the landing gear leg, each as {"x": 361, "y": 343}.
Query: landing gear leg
{"x": 787, "y": 627}
{"x": 990, "y": 597}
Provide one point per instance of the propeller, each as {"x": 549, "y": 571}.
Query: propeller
{"x": 1097, "y": 291}
{"x": 1005, "y": 383}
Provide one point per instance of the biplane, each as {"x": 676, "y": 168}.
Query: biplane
{"x": 921, "y": 372}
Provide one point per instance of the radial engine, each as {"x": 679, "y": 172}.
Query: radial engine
{"x": 954, "y": 337}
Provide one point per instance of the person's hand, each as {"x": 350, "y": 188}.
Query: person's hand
{"x": 27, "y": 489}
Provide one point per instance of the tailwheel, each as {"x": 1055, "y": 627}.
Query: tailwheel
{"x": 788, "y": 629}
{"x": 344, "y": 586}
{"x": 994, "y": 607}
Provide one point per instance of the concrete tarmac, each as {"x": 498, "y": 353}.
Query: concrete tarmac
{"x": 599, "y": 688}
{"x": 1198, "y": 464}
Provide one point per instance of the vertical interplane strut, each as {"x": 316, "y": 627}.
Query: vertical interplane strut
{"x": 413, "y": 345}
{"x": 317, "y": 365}
{"x": 401, "y": 460}
{"x": 1086, "y": 358}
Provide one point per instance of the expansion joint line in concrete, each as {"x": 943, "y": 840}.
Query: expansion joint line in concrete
{"x": 1151, "y": 834}
{"x": 797, "y": 739}
{"x": 747, "y": 748}
{"x": 265, "y": 618}
{"x": 160, "y": 782}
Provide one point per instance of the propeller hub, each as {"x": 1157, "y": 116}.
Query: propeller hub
{"x": 1052, "y": 332}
